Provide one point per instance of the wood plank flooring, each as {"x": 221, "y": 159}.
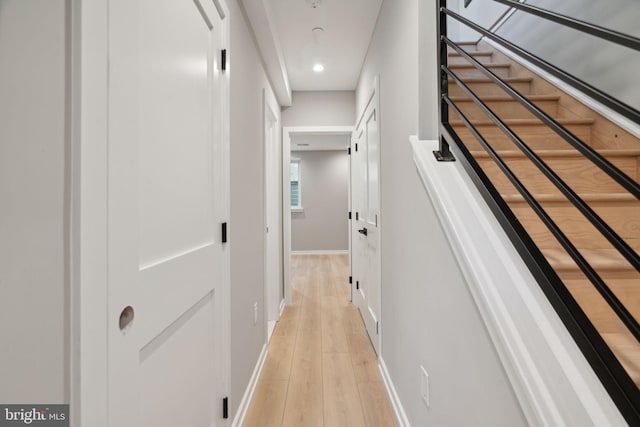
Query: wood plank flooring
{"x": 321, "y": 369}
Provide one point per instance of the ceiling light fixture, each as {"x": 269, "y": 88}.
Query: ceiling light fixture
{"x": 318, "y": 68}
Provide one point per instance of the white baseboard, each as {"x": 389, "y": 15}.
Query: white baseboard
{"x": 401, "y": 416}
{"x": 330, "y": 252}
{"x": 238, "y": 420}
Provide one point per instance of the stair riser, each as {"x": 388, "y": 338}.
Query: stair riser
{"x": 505, "y": 109}
{"x": 579, "y": 173}
{"x": 483, "y": 59}
{"x": 488, "y": 88}
{"x": 537, "y": 137}
{"x": 623, "y": 218}
{"x": 463, "y": 73}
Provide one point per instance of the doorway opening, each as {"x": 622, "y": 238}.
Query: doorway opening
{"x": 320, "y": 154}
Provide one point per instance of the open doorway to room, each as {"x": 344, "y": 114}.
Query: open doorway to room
{"x": 316, "y": 193}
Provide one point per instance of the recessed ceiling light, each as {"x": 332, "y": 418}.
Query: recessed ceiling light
{"x": 318, "y": 68}
{"x": 314, "y": 4}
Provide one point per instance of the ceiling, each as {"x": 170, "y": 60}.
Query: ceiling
{"x": 341, "y": 47}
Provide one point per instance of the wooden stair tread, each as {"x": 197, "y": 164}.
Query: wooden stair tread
{"x": 525, "y": 122}
{"x": 600, "y": 259}
{"x": 474, "y": 53}
{"x": 592, "y": 197}
{"x": 471, "y": 66}
{"x": 507, "y": 154}
{"x": 467, "y": 43}
{"x": 487, "y": 80}
{"x": 498, "y": 98}
{"x": 627, "y": 350}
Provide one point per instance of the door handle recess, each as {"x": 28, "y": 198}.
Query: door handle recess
{"x": 363, "y": 231}
{"x": 126, "y": 318}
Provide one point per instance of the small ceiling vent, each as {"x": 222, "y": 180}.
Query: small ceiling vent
{"x": 314, "y": 4}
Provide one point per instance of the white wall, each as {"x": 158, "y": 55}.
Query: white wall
{"x": 483, "y": 12}
{"x": 323, "y": 225}
{"x": 246, "y": 233}
{"x": 329, "y": 108}
{"x": 33, "y": 205}
{"x": 600, "y": 63}
{"x": 428, "y": 315}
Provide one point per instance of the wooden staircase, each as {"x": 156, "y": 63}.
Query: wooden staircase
{"x": 608, "y": 199}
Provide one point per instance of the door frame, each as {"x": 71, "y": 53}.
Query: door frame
{"x": 287, "y": 133}
{"x": 88, "y": 66}
{"x": 270, "y": 107}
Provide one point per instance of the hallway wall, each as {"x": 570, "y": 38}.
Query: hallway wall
{"x": 33, "y": 202}
{"x": 246, "y": 233}
{"x": 595, "y": 61}
{"x": 328, "y": 108}
{"x": 323, "y": 226}
{"x": 428, "y": 315}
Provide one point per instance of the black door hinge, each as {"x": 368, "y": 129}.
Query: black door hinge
{"x": 356, "y": 146}
{"x": 223, "y": 59}
{"x": 224, "y": 232}
{"x": 357, "y": 216}
{"x": 225, "y": 408}
{"x": 349, "y": 214}
{"x": 349, "y": 151}
{"x": 357, "y": 284}
{"x": 377, "y": 328}
{"x": 350, "y": 279}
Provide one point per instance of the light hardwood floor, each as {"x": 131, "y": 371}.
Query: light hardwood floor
{"x": 321, "y": 369}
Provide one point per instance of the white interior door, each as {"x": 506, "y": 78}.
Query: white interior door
{"x": 168, "y": 195}
{"x": 274, "y": 289}
{"x": 365, "y": 193}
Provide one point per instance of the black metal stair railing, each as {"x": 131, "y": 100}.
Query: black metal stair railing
{"x": 606, "y": 365}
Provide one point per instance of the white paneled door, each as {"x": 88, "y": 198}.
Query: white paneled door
{"x": 167, "y": 196}
{"x": 365, "y": 224}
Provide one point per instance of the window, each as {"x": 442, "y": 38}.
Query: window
{"x": 296, "y": 195}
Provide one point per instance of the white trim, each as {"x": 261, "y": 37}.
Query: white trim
{"x": 241, "y": 413}
{"x": 401, "y": 415}
{"x": 271, "y": 166}
{"x": 321, "y": 252}
{"x": 89, "y": 385}
{"x": 599, "y": 108}
{"x": 317, "y": 148}
{"x": 550, "y": 376}
{"x": 271, "y": 326}
{"x": 287, "y": 132}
